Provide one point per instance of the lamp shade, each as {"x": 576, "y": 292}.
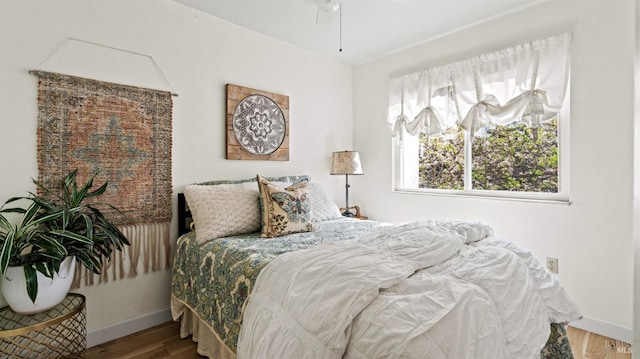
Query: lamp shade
{"x": 346, "y": 163}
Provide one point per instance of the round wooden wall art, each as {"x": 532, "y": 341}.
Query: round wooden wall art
{"x": 257, "y": 124}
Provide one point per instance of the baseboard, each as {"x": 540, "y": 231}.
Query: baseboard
{"x": 130, "y": 326}
{"x": 609, "y": 330}
{"x": 133, "y": 325}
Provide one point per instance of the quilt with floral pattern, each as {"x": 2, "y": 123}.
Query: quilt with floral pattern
{"x": 215, "y": 278}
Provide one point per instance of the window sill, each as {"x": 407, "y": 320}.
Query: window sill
{"x": 489, "y": 195}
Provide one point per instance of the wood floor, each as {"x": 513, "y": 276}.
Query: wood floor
{"x": 163, "y": 342}
{"x": 160, "y": 342}
{"x": 587, "y": 345}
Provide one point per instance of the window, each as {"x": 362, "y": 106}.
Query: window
{"x": 493, "y": 125}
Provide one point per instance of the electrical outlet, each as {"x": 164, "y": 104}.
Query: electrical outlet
{"x": 552, "y": 264}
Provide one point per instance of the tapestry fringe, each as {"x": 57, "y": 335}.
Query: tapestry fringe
{"x": 149, "y": 242}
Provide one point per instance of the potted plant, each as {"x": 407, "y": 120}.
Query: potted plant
{"x": 56, "y": 229}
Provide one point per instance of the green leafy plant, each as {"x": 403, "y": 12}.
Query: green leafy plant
{"x": 56, "y": 224}
{"x": 509, "y": 158}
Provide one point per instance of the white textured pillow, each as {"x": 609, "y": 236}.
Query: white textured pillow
{"x": 323, "y": 208}
{"x": 224, "y": 210}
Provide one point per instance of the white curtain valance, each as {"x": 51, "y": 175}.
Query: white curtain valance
{"x": 526, "y": 83}
{"x": 421, "y": 101}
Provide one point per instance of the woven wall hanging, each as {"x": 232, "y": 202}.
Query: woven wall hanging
{"x": 123, "y": 133}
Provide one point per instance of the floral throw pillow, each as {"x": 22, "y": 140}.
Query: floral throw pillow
{"x": 284, "y": 210}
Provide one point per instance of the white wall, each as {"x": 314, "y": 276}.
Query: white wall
{"x": 198, "y": 54}
{"x": 592, "y": 237}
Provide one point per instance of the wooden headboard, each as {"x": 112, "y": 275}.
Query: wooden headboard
{"x": 184, "y": 216}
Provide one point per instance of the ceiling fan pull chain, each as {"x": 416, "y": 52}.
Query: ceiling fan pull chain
{"x": 340, "y": 27}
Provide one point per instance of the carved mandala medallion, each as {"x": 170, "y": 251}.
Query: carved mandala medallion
{"x": 259, "y": 125}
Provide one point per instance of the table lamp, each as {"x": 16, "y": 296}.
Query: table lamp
{"x": 346, "y": 163}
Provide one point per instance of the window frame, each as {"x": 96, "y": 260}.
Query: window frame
{"x": 399, "y": 164}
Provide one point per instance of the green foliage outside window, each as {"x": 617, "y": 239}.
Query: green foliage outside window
{"x": 508, "y": 158}
{"x": 442, "y": 160}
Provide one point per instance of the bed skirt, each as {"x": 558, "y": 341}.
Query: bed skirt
{"x": 209, "y": 344}
{"x": 212, "y": 347}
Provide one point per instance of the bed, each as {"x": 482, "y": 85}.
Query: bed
{"x": 326, "y": 286}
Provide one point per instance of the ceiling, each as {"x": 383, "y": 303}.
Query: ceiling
{"x": 370, "y": 28}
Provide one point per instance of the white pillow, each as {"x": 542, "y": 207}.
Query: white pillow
{"x": 223, "y": 210}
{"x": 322, "y": 207}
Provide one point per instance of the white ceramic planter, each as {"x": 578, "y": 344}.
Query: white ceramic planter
{"x": 50, "y": 291}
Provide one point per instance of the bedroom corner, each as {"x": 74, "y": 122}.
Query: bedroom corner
{"x": 573, "y": 233}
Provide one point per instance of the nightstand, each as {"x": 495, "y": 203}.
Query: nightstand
{"x": 357, "y": 214}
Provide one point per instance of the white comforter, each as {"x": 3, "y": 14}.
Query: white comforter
{"x": 428, "y": 289}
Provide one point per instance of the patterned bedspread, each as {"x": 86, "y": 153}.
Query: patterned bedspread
{"x": 233, "y": 265}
